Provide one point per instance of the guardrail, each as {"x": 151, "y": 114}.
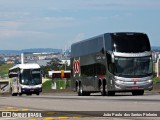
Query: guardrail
{"x": 4, "y": 85}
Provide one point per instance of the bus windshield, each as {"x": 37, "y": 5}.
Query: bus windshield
{"x": 31, "y": 77}
{"x": 133, "y": 67}
{"x": 130, "y": 43}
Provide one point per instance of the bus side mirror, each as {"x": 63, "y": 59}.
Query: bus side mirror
{"x": 11, "y": 75}
{"x": 41, "y": 72}
{"x": 112, "y": 58}
{"x": 155, "y": 57}
{"x": 102, "y": 51}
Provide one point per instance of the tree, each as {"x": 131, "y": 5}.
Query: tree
{"x": 54, "y": 64}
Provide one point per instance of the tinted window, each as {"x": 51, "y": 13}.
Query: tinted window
{"x": 93, "y": 69}
{"x": 108, "y": 42}
{"x": 131, "y": 42}
{"x": 130, "y": 67}
{"x": 30, "y": 77}
{"x": 87, "y": 47}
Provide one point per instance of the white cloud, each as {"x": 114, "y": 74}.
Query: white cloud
{"x": 79, "y": 37}
{"x": 40, "y": 21}
{"x": 122, "y": 4}
{"x": 5, "y": 34}
{"x": 113, "y": 16}
{"x": 16, "y": 15}
{"x": 103, "y": 4}
{"x": 58, "y": 19}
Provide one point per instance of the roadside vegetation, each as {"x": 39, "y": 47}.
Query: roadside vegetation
{"x": 4, "y": 69}
{"x": 60, "y": 84}
{"x": 155, "y": 78}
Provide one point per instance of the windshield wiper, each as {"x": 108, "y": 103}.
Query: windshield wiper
{"x": 118, "y": 74}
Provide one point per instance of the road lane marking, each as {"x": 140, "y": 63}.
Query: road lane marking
{"x": 49, "y": 118}
{"x": 63, "y": 117}
{"x": 9, "y": 107}
{"x": 12, "y": 110}
{"x": 33, "y": 119}
{"x": 25, "y": 109}
{"x": 50, "y": 113}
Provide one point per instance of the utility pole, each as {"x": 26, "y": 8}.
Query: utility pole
{"x": 22, "y": 58}
{"x": 158, "y": 57}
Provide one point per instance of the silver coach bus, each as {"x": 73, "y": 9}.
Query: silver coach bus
{"x": 25, "y": 79}
{"x": 112, "y": 62}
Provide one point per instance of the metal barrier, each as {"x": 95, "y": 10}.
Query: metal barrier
{"x": 157, "y": 65}
{"x": 4, "y": 85}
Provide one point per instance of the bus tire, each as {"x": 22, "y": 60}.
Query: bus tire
{"x": 77, "y": 87}
{"x": 80, "y": 90}
{"x": 138, "y": 92}
{"x": 86, "y": 93}
{"x": 141, "y": 92}
{"x": 111, "y": 93}
{"x": 29, "y": 94}
{"x": 102, "y": 89}
{"x": 37, "y": 93}
{"x": 13, "y": 94}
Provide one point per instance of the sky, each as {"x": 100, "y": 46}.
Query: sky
{"x": 26, "y": 24}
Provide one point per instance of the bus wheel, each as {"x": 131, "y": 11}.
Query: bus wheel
{"x": 29, "y": 94}
{"x": 138, "y": 92}
{"x": 86, "y": 93}
{"x": 13, "y": 94}
{"x": 141, "y": 92}
{"x": 80, "y": 90}
{"x": 111, "y": 93}
{"x": 102, "y": 89}
{"x": 37, "y": 93}
{"x": 77, "y": 88}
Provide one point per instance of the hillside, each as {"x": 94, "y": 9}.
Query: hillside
{"x": 156, "y": 48}
{"x": 40, "y": 50}
{"x": 34, "y": 50}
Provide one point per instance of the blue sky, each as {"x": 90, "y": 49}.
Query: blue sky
{"x": 59, "y": 23}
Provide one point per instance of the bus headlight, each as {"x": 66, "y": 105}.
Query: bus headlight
{"x": 149, "y": 81}
{"x": 119, "y": 81}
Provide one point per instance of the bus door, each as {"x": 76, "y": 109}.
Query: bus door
{"x": 100, "y": 70}
{"x": 15, "y": 85}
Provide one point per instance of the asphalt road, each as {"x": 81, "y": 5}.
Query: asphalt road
{"x": 71, "y": 106}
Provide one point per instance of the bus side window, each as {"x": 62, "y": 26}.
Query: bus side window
{"x": 11, "y": 75}
{"x": 109, "y": 63}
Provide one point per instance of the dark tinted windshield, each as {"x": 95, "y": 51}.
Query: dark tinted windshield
{"x": 133, "y": 67}
{"x": 31, "y": 77}
{"x": 130, "y": 42}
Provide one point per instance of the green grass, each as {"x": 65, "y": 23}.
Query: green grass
{"x": 60, "y": 83}
{"x": 156, "y": 80}
{"x": 47, "y": 85}
{"x": 4, "y": 68}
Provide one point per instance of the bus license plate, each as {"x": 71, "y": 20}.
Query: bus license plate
{"x": 31, "y": 90}
{"x": 135, "y": 87}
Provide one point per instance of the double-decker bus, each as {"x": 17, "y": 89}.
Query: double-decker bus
{"x": 112, "y": 62}
{"x": 25, "y": 79}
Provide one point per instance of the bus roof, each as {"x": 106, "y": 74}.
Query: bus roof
{"x": 88, "y": 39}
{"x": 26, "y": 66}
{"x": 112, "y": 33}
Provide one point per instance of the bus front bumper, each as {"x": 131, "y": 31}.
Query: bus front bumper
{"x": 31, "y": 90}
{"x": 132, "y": 86}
